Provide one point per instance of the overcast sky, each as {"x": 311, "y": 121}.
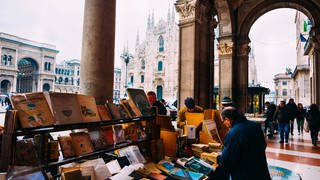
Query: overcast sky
{"x": 60, "y": 22}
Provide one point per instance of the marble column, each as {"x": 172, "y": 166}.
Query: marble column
{"x": 194, "y": 57}
{"x": 240, "y": 90}
{"x": 97, "y": 60}
{"x": 315, "y": 90}
{"x": 225, "y": 48}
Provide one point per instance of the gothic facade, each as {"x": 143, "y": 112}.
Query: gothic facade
{"x": 154, "y": 66}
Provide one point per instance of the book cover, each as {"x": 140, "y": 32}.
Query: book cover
{"x": 103, "y": 113}
{"x": 119, "y": 134}
{"x": 81, "y": 143}
{"x": 185, "y": 174}
{"x": 129, "y": 109}
{"x": 25, "y": 153}
{"x": 156, "y": 176}
{"x": 66, "y": 146}
{"x": 139, "y": 97}
{"x": 108, "y": 133}
{"x": 132, "y": 153}
{"x": 98, "y": 139}
{"x": 199, "y": 166}
{"x": 114, "y": 111}
{"x": 135, "y": 132}
{"x": 210, "y": 128}
{"x": 123, "y": 112}
{"x": 65, "y": 108}
{"x": 33, "y": 110}
{"x": 88, "y": 108}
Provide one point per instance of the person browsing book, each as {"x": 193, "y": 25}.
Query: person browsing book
{"x": 152, "y": 97}
{"x": 243, "y": 156}
{"x": 189, "y": 107}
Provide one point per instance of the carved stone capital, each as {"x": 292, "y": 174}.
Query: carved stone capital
{"x": 243, "y": 49}
{"x": 186, "y": 10}
{"x": 225, "y": 49}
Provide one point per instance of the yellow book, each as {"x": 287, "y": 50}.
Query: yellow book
{"x": 194, "y": 118}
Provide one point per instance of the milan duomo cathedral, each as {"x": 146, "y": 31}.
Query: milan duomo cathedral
{"x": 154, "y": 66}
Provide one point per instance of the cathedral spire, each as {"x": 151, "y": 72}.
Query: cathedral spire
{"x": 168, "y": 16}
{"x": 173, "y": 14}
{"x": 149, "y": 21}
{"x": 137, "y": 40}
{"x": 152, "y": 20}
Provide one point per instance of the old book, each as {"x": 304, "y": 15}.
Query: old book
{"x": 119, "y": 134}
{"x": 215, "y": 115}
{"x": 98, "y": 139}
{"x": 88, "y": 108}
{"x": 210, "y": 128}
{"x": 66, "y": 146}
{"x": 33, "y": 110}
{"x": 129, "y": 109}
{"x": 123, "y": 112}
{"x": 108, "y": 133}
{"x": 103, "y": 113}
{"x": 81, "y": 143}
{"x": 135, "y": 132}
{"x": 139, "y": 97}
{"x": 114, "y": 111}
{"x": 25, "y": 153}
{"x": 65, "y": 108}
{"x": 132, "y": 153}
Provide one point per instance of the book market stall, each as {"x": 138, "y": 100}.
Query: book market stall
{"x": 67, "y": 136}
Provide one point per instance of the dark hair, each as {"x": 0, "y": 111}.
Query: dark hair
{"x": 267, "y": 102}
{"x": 189, "y": 102}
{"x": 233, "y": 114}
{"x": 151, "y": 93}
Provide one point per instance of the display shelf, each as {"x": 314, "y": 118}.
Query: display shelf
{"x": 64, "y": 127}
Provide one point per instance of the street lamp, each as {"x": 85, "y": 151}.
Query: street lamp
{"x": 126, "y": 56}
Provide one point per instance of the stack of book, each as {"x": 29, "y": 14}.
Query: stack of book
{"x": 215, "y": 147}
{"x": 197, "y": 149}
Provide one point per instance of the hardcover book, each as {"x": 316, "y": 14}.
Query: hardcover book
{"x": 123, "y": 111}
{"x": 88, "y": 108}
{"x": 81, "y": 143}
{"x": 114, "y": 111}
{"x": 128, "y": 107}
{"x": 98, "y": 139}
{"x": 108, "y": 133}
{"x": 66, "y": 146}
{"x": 33, "y": 110}
{"x": 65, "y": 108}
{"x": 135, "y": 132}
{"x": 103, "y": 113}
{"x": 25, "y": 153}
{"x": 210, "y": 128}
{"x": 139, "y": 97}
{"x": 119, "y": 135}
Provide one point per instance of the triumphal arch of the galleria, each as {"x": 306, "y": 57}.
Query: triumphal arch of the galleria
{"x": 197, "y": 21}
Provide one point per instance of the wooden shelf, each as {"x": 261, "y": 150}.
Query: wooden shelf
{"x": 64, "y": 127}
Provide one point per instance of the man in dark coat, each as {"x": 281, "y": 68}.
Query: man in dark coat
{"x": 243, "y": 156}
{"x": 152, "y": 97}
{"x": 281, "y": 115}
{"x": 292, "y": 113}
{"x": 271, "y": 108}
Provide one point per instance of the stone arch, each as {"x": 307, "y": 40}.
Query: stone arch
{"x": 224, "y": 18}
{"x": 27, "y": 75}
{"x": 241, "y": 44}
{"x": 5, "y": 86}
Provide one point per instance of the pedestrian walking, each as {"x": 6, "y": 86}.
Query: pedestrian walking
{"x": 300, "y": 118}
{"x": 313, "y": 118}
{"x": 281, "y": 115}
{"x": 292, "y": 112}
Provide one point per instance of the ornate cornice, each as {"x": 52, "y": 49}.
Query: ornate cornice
{"x": 225, "y": 49}
{"x": 186, "y": 10}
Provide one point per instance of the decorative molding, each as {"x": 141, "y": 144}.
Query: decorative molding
{"x": 225, "y": 49}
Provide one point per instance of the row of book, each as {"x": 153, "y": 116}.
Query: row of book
{"x": 45, "y": 109}
{"x": 30, "y": 151}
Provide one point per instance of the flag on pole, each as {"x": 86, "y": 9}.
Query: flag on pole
{"x": 305, "y": 26}
{"x": 302, "y": 38}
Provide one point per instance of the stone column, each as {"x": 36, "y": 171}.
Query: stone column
{"x": 194, "y": 57}
{"x": 316, "y": 74}
{"x": 97, "y": 60}
{"x": 240, "y": 71}
{"x": 225, "y": 67}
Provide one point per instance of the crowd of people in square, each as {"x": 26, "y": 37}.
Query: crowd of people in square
{"x": 281, "y": 119}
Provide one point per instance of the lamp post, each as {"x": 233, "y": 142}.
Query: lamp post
{"x": 126, "y": 56}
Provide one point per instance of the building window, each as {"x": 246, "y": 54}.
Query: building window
{"x": 284, "y": 92}
{"x": 131, "y": 79}
{"x": 66, "y": 80}
{"x": 277, "y": 93}
{"x": 159, "y": 92}
{"x": 160, "y": 66}
{"x": 56, "y": 71}
{"x": 284, "y": 83}
{"x": 161, "y": 44}
{"x": 142, "y": 78}
{"x": 45, "y": 66}
{"x": 49, "y": 66}
{"x": 60, "y": 80}
{"x": 78, "y": 73}
{"x": 4, "y": 60}
{"x": 9, "y": 60}
{"x": 143, "y": 64}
